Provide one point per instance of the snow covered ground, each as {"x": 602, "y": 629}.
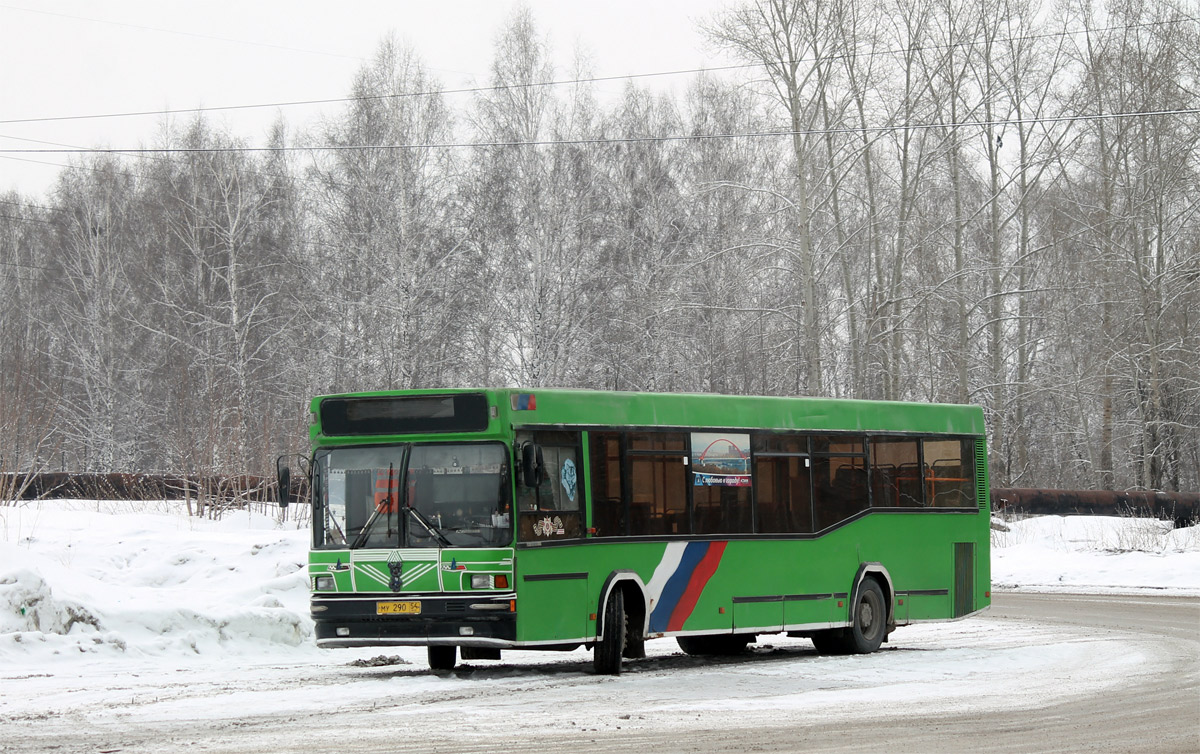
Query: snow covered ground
{"x": 1096, "y": 555}
{"x": 117, "y": 619}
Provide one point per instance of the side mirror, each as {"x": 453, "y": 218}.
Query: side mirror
{"x": 532, "y": 464}
{"x": 283, "y": 475}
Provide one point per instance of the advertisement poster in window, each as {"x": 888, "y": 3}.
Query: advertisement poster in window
{"x": 720, "y": 459}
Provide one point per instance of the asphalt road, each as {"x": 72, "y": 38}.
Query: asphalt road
{"x": 1159, "y": 714}
{"x": 1144, "y": 696}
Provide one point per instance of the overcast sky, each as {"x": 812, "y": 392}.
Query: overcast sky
{"x": 85, "y": 57}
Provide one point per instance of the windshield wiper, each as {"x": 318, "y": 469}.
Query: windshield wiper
{"x": 365, "y": 532}
{"x": 433, "y": 530}
{"x": 388, "y": 502}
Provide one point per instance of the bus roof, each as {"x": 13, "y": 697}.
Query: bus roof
{"x": 596, "y": 408}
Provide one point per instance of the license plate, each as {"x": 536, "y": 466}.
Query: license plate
{"x": 398, "y": 608}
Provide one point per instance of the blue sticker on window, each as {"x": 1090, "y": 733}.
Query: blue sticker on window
{"x": 568, "y": 479}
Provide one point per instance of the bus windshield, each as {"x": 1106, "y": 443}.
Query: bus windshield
{"x": 439, "y": 495}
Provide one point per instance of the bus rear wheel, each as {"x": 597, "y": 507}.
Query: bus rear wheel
{"x": 608, "y": 651}
{"x": 868, "y": 624}
{"x": 442, "y": 658}
{"x": 830, "y": 642}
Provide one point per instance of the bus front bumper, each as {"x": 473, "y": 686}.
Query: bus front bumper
{"x": 355, "y": 621}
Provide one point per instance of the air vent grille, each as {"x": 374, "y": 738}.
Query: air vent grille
{"x": 981, "y": 476}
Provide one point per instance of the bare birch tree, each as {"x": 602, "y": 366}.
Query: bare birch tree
{"x": 790, "y": 39}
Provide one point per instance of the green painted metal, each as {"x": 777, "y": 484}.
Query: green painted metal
{"x": 593, "y": 408}
{"x": 423, "y": 570}
{"x": 788, "y": 583}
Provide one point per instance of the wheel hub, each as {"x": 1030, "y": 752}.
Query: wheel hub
{"x": 866, "y": 616}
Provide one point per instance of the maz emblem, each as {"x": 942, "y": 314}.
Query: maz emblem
{"x": 395, "y": 567}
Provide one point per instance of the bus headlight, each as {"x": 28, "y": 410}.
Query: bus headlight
{"x": 324, "y": 584}
{"x": 489, "y": 581}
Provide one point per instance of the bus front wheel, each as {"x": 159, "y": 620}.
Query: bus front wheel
{"x": 608, "y": 651}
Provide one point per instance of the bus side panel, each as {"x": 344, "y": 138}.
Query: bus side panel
{"x": 760, "y": 614}
{"x": 922, "y": 553}
{"x": 756, "y": 585}
{"x": 781, "y": 584}
{"x": 558, "y": 587}
{"x": 815, "y": 577}
{"x": 806, "y": 584}
{"x": 553, "y": 610}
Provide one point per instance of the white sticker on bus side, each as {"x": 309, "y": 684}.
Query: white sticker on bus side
{"x": 569, "y": 479}
{"x": 665, "y": 570}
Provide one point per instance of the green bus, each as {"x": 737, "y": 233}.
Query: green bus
{"x": 551, "y": 519}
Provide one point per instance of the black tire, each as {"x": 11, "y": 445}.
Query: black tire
{"x": 635, "y": 640}
{"x": 830, "y": 642}
{"x": 868, "y": 619}
{"x": 607, "y": 653}
{"x": 692, "y": 645}
{"x": 722, "y": 644}
{"x": 443, "y": 658}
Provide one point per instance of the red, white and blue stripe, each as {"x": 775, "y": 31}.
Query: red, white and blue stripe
{"x": 678, "y": 581}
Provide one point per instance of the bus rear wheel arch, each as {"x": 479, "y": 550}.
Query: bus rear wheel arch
{"x": 868, "y": 619}
{"x": 868, "y": 623}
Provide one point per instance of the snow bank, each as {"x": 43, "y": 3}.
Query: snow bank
{"x": 1095, "y": 554}
{"x": 99, "y": 577}
{"x": 120, "y": 579}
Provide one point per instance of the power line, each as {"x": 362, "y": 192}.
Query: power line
{"x": 32, "y": 206}
{"x": 25, "y": 220}
{"x": 369, "y": 97}
{"x": 65, "y": 147}
{"x": 25, "y": 266}
{"x": 618, "y": 140}
{"x": 59, "y": 165}
{"x": 35, "y": 162}
{"x": 570, "y": 82}
{"x": 153, "y": 155}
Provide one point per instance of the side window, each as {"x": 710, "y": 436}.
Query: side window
{"x": 839, "y": 479}
{"x": 950, "y": 473}
{"x": 658, "y": 484}
{"x": 552, "y": 509}
{"x": 782, "y": 484}
{"x": 608, "y": 505}
{"x": 721, "y": 482}
{"x": 895, "y": 473}
{"x": 721, "y": 510}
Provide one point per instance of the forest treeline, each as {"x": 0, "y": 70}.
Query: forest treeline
{"x": 984, "y": 201}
